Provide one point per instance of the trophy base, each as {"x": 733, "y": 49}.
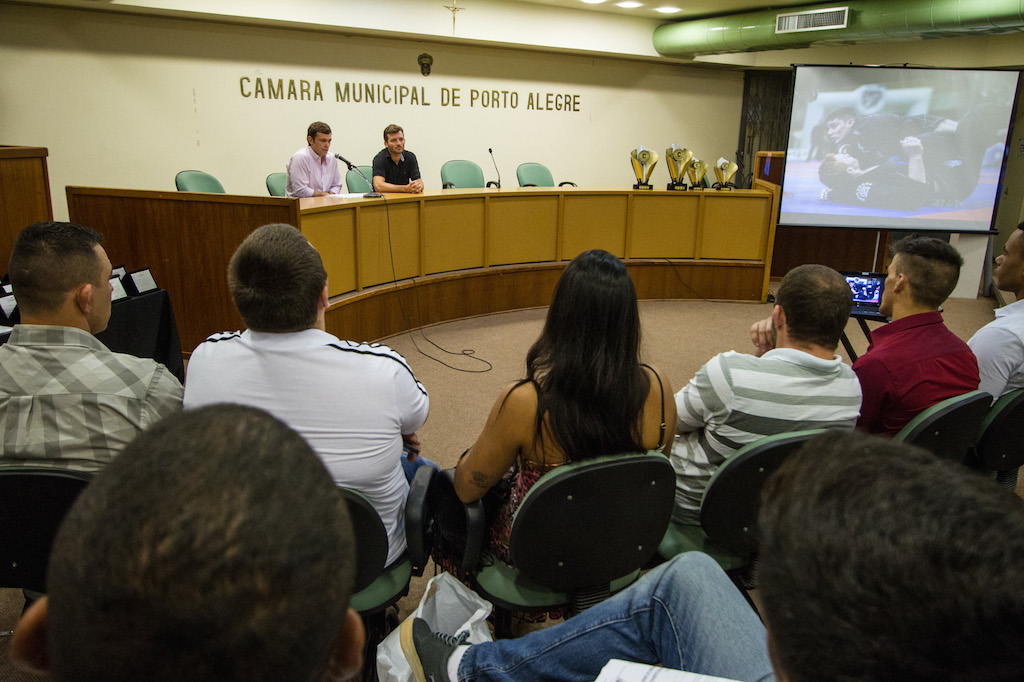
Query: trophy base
{"x": 727, "y": 187}
{"x": 643, "y": 185}
{"x": 677, "y": 186}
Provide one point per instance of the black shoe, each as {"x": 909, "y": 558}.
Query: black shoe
{"x": 428, "y": 652}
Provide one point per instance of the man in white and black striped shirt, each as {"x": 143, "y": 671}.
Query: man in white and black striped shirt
{"x": 793, "y": 381}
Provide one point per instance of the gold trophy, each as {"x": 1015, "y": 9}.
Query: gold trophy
{"x": 679, "y": 161}
{"x": 643, "y": 160}
{"x": 725, "y": 171}
{"x": 698, "y": 169}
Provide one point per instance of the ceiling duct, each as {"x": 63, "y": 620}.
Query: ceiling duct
{"x": 831, "y": 18}
{"x": 868, "y": 21}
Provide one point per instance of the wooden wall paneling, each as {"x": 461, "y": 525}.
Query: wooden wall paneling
{"x": 594, "y": 221}
{"x": 706, "y": 280}
{"x": 837, "y": 247}
{"x": 186, "y": 239}
{"x": 24, "y": 194}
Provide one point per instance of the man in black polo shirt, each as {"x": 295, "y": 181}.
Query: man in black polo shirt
{"x": 395, "y": 168}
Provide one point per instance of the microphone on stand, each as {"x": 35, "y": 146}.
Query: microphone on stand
{"x": 351, "y": 166}
{"x": 491, "y": 152}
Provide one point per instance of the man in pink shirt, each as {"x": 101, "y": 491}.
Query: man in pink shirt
{"x": 312, "y": 172}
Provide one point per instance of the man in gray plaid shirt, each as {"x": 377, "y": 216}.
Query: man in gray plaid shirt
{"x": 66, "y": 401}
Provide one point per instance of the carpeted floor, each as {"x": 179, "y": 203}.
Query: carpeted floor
{"x": 481, "y": 355}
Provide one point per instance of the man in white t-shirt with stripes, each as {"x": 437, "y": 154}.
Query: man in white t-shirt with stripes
{"x": 358, "y": 405}
{"x": 793, "y": 381}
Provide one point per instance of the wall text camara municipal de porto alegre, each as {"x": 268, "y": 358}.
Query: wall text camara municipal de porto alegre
{"x": 385, "y": 93}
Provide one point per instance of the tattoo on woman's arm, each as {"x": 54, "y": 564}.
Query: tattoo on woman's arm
{"x": 479, "y": 480}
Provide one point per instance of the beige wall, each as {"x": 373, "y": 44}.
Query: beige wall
{"x": 127, "y": 101}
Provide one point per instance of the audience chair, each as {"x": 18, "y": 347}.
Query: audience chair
{"x": 376, "y": 586}
{"x": 197, "y": 181}
{"x": 432, "y": 503}
{"x": 277, "y": 184}
{"x": 537, "y": 175}
{"x": 1000, "y": 446}
{"x": 948, "y": 428}
{"x": 33, "y": 502}
{"x": 462, "y": 175}
{"x": 356, "y": 183}
{"x": 582, "y": 532}
{"x": 731, "y": 505}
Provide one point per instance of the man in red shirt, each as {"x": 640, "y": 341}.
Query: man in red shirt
{"x": 914, "y": 361}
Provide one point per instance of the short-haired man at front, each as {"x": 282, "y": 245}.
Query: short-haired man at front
{"x": 356, "y": 403}
{"x": 999, "y": 345}
{"x": 877, "y": 561}
{"x": 794, "y": 381}
{"x": 67, "y": 401}
{"x": 214, "y": 549}
{"x": 312, "y": 171}
{"x": 914, "y": 361}
{"x": 395, "y": 168}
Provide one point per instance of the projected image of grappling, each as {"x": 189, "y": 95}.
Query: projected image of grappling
{"x": 895, "y": 147}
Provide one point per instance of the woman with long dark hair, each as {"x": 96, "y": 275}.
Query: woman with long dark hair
{"x": 585, "y": 393}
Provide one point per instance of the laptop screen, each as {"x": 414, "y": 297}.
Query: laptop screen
{"x": 866, "y": 287}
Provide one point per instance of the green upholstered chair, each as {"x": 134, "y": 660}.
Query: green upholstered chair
{"x": 731, "y": 503}
{"x": 582, "y": 532}
{"x": 355, "y": 182}
{"x": 33, "y": 502}
{"x": 537, "y": 175}
{"x": 948, "y": 428}
{"x": 376, "y": 586}
{"x": 1000, "y": 446}
{"x": 277, "y": 184}
{"x": 463, "y": 175}
{"x": 197, "y": 181}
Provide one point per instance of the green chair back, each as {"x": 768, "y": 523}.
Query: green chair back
{"x": 197, "y": 181}
{"x": 461, "y": 174}
{"x": 1000, "y": 446}
{"x": 534, "y": 175}
{"x": 731, "y": 503}
{"x": 277, "y": 184}
{"x": 356, "y": 183}
{"x": 948, "y": 428}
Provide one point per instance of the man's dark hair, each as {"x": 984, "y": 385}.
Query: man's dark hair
{"x": 275, "y": 278}
{"x": 817, "y": 302}
{"x": 842, "y": 113}
{"x": 931, "y": 265}
{"x": 878, "y": 561}
{"x": 317, "y": 127}
{"x": 48, "y": 260}
{"x": 214, "y": 547}
{"x": 391, "y": 130}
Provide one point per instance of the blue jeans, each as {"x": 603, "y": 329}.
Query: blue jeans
{"x": 686, "y": 614}
{"x": 409, "y": 468}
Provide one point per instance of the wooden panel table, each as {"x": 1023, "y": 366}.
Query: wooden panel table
{"x": 405, "y": 261}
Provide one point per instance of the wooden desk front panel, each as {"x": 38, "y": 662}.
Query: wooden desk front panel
{"x": 664, "y": 225}
{"x": 453, "y": 234}
{"x": 735, "y": 226}
{"x": 594, "y": 221}
{"x": 387, "y": 242}
{"x": 522, "y": 228}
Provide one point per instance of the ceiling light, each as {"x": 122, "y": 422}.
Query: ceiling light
{"x": 667, "y": 10}
{"x": 592, "y": 2}
{"x": 629, "y": 4}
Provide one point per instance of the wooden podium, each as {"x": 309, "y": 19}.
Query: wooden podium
{"x": 24, "y": 193}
